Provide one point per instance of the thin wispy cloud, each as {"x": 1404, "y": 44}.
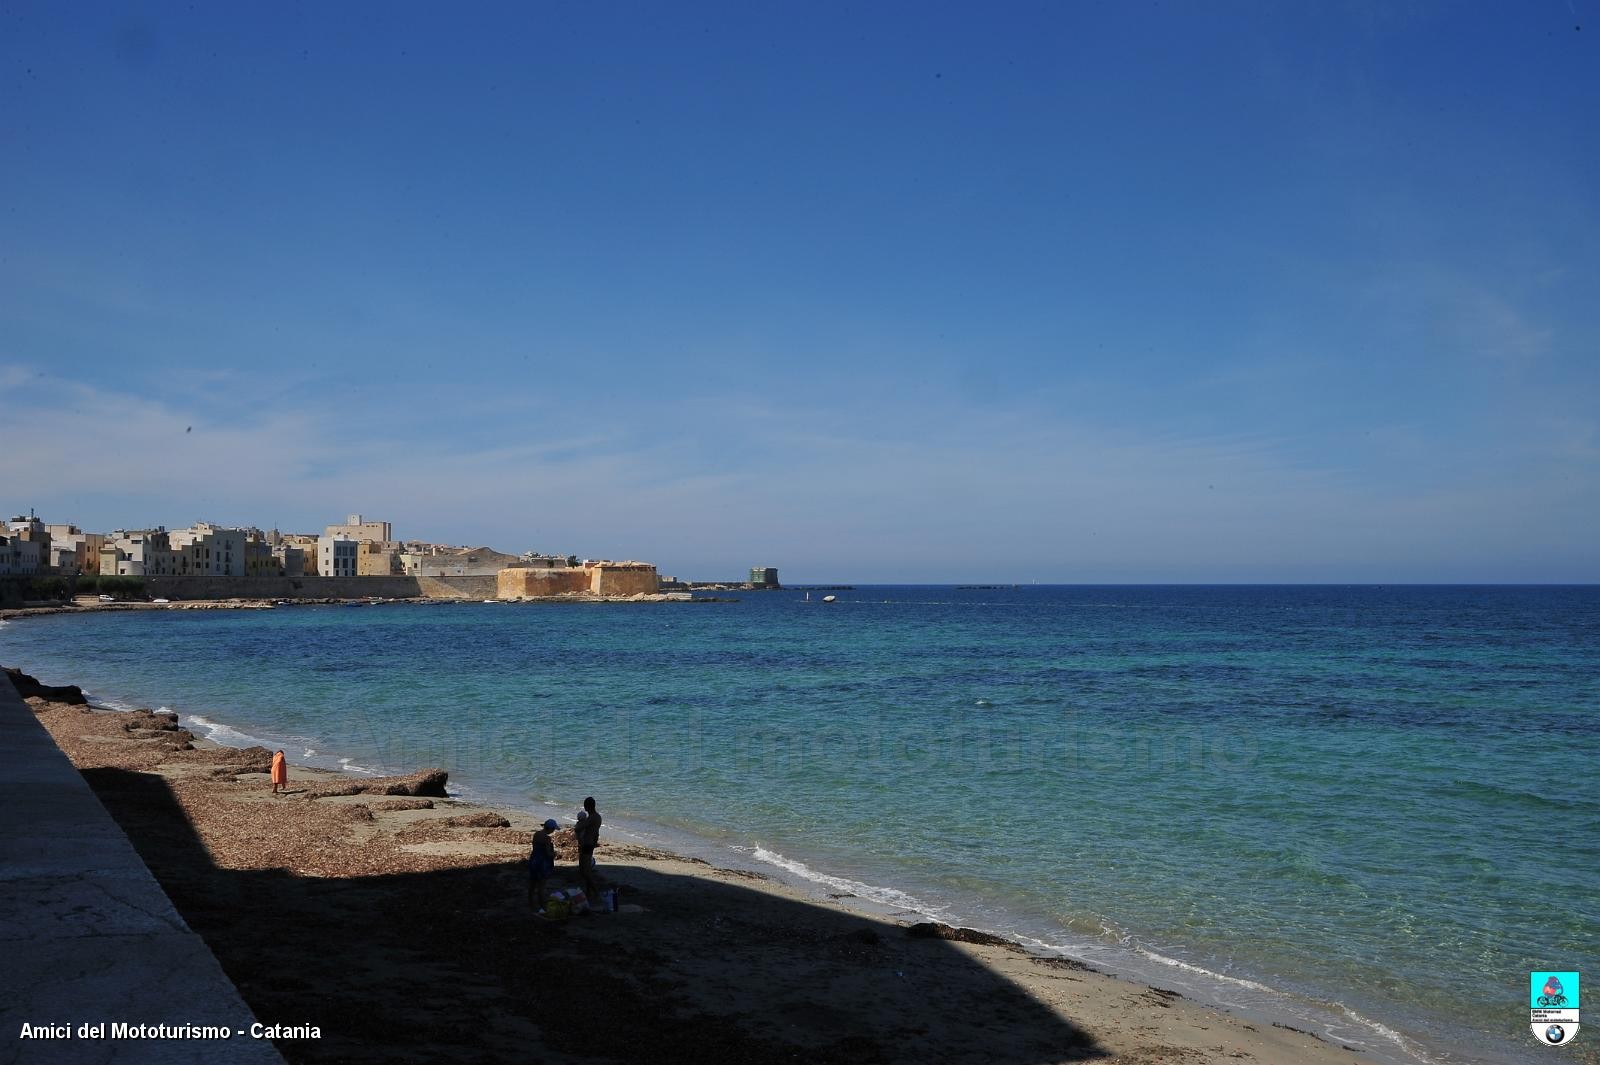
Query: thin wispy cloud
{"x": 1309, "y": 299}
{"x": 835, "y": 497}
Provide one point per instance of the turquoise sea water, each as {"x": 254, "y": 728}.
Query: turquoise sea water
{"x": 1371, "y": 811}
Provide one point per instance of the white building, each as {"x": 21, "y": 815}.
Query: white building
{"x": 142, "y": 553}
{"x": 336, "y": 556}
{"x": 67, "y": 557}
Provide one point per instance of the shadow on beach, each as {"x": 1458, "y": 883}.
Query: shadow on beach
{"x": 449, "y": 965}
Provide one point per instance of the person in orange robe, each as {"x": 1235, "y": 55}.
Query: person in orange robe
{"x": 280, "y": 773}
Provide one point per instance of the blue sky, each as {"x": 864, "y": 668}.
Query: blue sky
{"x": 1057, "y": 292}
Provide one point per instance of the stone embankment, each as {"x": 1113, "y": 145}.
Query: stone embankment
{"x": 89, "y": 935}
{"x": 302, "y": 588}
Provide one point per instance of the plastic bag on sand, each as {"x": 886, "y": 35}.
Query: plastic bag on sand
{"x": 567, "y": 903}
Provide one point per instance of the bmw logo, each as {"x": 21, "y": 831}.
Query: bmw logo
{"x": 1554, "y": 1034}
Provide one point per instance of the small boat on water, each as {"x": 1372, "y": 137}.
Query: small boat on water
{"x": 829, "y": 598}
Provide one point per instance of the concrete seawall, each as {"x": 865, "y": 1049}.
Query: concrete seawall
{"x": 321, "y": 587}
{"x": 88, "y": 934}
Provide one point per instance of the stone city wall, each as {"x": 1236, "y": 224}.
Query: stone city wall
{"x": 614, "y": 579}
{"x": 536, "y": 583}
{"x": 204, "y": 587}
{"x": 611, "y": 580}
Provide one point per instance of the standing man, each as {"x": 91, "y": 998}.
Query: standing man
{"x": 280, "y": 773}
{"x": 588, "y": 832}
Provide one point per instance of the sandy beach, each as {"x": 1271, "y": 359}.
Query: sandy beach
{"x": 397, "y": 925}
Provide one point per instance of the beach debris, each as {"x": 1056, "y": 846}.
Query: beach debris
{"x": 481, "y": 819}
{"x": 178, "y": 739}
{"x": 937, "y": 930}
{"x": 402, "y": 804}
{"x": 423, "y": 782}
{"x": 29, "y": 687}
{"x": 1161, "y": 996}
{"x": 336, "y": 790}
{"x": 244, "y": 760}
{"x": 256, "y": 755}
{"x": 149, "y": 725}
{"x": 1072, "y": 964}
{"x": 515, "y": 836}
{"x": 439, "y": 830}
{"x": 151, "y": 719}
{"x": 429, "y": 782}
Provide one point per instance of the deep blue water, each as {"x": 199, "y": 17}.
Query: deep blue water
{"x": 1379, "y": 804}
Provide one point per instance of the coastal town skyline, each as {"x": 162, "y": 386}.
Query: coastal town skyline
{"x": 359, "y": 546}
{"x": 1134, "y": 294}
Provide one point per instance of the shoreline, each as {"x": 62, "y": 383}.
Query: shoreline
{"x": 1233, "y": 996}
{"x": 14, "y": 613}
{"x": 1129, "y": 1020}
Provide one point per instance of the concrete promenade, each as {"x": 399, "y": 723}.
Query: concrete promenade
{"x": 87, "y": 934}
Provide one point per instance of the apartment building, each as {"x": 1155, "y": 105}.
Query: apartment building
{"x": 73, "y": 551}
{"x": 18, "y": 557}
{"x": 138, "y": 553}
{"x": 29, "y": 529}
{"x": 336, "y": 556}
{"x": 355, "y": 528}
{"x": 376, "y": 559}
{"x": 295, "y": 560}
{"x": 211, "y": 550}
{"x": 258, "y": 557}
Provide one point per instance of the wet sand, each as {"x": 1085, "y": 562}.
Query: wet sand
{"x": 398, "y": 925}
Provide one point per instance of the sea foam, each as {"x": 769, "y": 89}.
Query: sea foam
{"x": 883, "y": 895}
